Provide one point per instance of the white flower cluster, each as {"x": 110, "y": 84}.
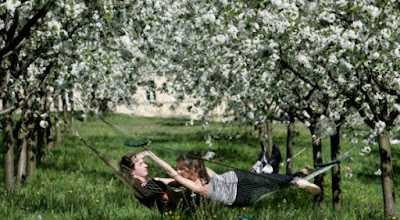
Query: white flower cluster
{"x": 348, "y": 172}
{"x": 365, "y": 150}
{"x": 209, "y": 142}
{"x": 209, "y": 155}
{"x": 11, "y": 5}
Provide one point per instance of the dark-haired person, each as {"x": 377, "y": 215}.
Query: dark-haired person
{"x": 233, "y": 188}
{"x": 154, "y": 192}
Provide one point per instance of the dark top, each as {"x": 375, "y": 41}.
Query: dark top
{"x": 152, "y": 195}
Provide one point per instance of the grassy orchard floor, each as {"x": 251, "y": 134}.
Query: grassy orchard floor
{"x": 74, "y": 184}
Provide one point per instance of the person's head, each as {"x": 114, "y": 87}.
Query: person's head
{"x": 191, "y": 166}
{"x": 133, "y": 166}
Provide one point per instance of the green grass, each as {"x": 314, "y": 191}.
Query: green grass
{"x": 74, "y": 184}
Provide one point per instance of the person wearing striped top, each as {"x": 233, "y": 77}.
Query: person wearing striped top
{"x": 233, "y": 188}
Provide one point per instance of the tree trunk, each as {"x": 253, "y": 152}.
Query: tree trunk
{"x": 317, "y": 156}
{"x": 289, "y": 147}
{"x": 41, "y": 144}
{"x": 57, "y": 118}
{"x": 72, "y": 113}
{"x": 387, "y": 174}
{"x": 261, "y": 134}
{"x": 65, "y": 111}
{"x": 270, "y": 137}
{"x": 41, "y": 132}
{"x": 21, "y": 172}
{"x": 48, "y": 130}
{"x": 30, "y": 141}
{"x": 9, "y": 182}
{"x": 22, "y": 133}
{"x": 336, "y": 178}
{"x": 49, "y": 134}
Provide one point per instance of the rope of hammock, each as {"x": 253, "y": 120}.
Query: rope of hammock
{"x": 320, "y": 171}
{"x": 114, "y": 167}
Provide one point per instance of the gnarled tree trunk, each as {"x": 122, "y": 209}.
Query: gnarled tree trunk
{"x": 57, "y": 121}
{"x": 72, "y": 103}
{"x": 336, "y": 178}
{"x": 7, "y": 123}
{"x": 22, "y": 161}
{"x": 289, "y": 147}
{"x": 317, "y": 155}
{"x": 270, "y": 137}
{"x": 261, "y": 134}
{"x": 65, "y": 111}
{"x": 387, "y": 174}
{"x": 31, "y": 149}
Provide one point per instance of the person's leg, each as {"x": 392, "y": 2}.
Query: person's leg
{"x": 298, "y": 181}
{"x": 307, "y": 170}
{"x": 251, "y": 187}
{"x": 261, "y": 161}
{"x": 262, "y": 165}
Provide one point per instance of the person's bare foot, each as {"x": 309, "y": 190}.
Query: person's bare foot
{"x": 308, "y": 187}
{"x": 307, "y": 170}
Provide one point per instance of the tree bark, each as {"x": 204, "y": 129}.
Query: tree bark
{"x": 317, "y": 156}
{"x": 21, "y": 172}
{"x": 30, "y": 141}
{"x": 41, "y": 132}
{"x": 72, "y": 113}
{"x": 289, "y": 147}
{"x": 9, "y": 181}
{"x": 65, "y": 111}
{"x": 22, "y": 161}
{"x": 270, "y": 137}
{"x": 48, "y": 130}
{"x": 261, "y": 133}
{"x": 387, "y": 174}
{"x": 41, "y": 144}
{"x": 49, "y": 134}
{"x": 57, "y": 118}
{"x": 336, "y": 178}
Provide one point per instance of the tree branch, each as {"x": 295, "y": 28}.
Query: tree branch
{"x": 25, "y": 31}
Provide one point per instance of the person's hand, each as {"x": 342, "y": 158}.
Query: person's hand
{"x": 146, "y": 153}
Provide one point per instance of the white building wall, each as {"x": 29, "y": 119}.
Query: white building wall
{"x": 162, "y": 106}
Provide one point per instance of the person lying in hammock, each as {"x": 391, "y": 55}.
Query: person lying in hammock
{"x": 233, "y": 188}
{"x": 154, "y": 192}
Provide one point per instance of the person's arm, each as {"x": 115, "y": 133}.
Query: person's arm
{"x": 197, "y": 186}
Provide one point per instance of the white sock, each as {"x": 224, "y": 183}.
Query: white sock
{"x": 258, "y": 166}
{"x": 267, "y": 169}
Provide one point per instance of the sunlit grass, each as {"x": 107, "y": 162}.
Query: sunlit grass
{"x": 74, "y": 184}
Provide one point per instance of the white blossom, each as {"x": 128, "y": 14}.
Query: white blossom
{"x": 11, "y": 5}
{"x": 209, "y": 155}
{"x": 375, "y": 55}
{"x": 209, "y": 142}
{"x": 366, "y": 149}
{"x": 43, "y": 124}
{"x": 303, "y": 59}
{"x": 328, "y": 17}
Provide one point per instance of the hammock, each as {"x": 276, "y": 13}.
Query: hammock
{"x": 265, "y": 184}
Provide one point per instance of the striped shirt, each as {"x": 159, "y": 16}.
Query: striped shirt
{"x": 223, "y": 188}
